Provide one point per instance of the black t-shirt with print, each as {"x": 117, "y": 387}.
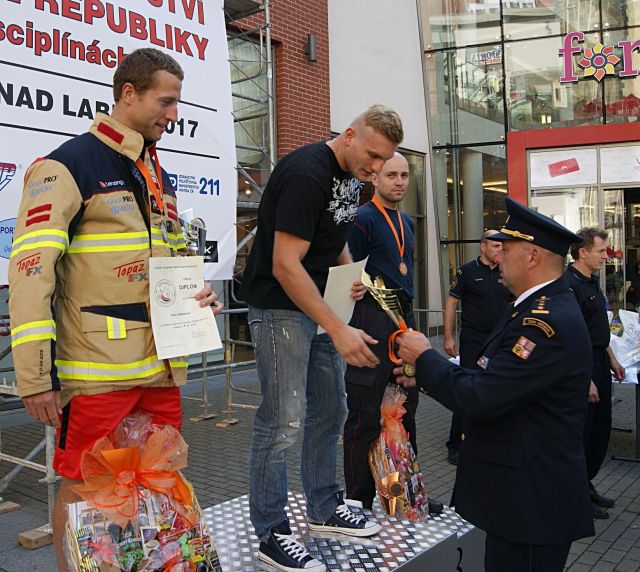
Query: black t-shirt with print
{"x": 310, "y": 196}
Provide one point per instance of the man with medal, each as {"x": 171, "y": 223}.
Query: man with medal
{"x": 384, "y": 234}
{"x": 94, "y": 212}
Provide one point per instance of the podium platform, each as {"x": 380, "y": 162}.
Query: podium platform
{"x": 446, "y": 543}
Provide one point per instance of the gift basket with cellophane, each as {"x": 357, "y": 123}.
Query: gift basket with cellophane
{"x": 393, "y": 463}
{"x": 138, "y": 513}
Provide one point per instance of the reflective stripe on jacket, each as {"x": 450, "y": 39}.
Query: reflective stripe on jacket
{"x": 78, "y": 275}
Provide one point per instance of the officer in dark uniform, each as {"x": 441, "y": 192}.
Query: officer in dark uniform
{"x": 521, "y": 474}
{"x": 384, "y": 234}
{"x": 589, "y": 255}
{"x": 484, "y": 300}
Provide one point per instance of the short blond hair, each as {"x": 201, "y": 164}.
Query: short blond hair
{"x": 385, "y": 121}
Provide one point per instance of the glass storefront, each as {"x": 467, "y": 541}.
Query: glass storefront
{"x": 494, "y": 66}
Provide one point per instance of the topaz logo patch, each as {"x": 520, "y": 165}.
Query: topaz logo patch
{"x": 7, "y": 227}
{"x": 7, "y": 171}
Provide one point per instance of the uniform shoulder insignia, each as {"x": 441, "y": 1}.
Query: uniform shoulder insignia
{"x": 523, "y": 348}
{"x": 541, "y": 324}
{"x": 540, "y": 309}
{"x": 454, "y": 282}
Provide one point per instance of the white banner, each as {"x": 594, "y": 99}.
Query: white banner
{"x": 57, "y": 59}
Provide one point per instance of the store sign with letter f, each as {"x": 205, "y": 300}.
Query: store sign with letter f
{"x": 598, "y": 61}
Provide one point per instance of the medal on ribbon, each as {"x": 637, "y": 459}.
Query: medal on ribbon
{"x": 402, "y": 266}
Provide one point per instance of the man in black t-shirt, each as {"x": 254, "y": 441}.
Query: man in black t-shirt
{"x": 484, "y": 300}
{"x": 303, "y": 221}
{"x": 589, "y": 256}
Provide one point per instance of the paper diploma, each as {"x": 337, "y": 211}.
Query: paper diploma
{"x": 337, "y": 292}
{"x": 180, "y": 326}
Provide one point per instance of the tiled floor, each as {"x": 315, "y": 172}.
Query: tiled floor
{"x": 218, "y": 469}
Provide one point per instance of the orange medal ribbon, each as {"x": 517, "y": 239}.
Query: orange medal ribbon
{"x": 154, "y": 186}
{"x": 399, "y": 239}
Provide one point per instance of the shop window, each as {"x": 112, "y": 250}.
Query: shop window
{"x": 471, "y": 185}
{"x": 621, "y": 94}
{"x": 620, "y": 13}
{"x": 466, "y": 95}
{"x": 455, "y": 23}
{"x": 540, "y": 19}
{"x": 537, "y": 99}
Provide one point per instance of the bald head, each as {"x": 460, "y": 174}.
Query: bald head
{"x": 487, "y": 234}
{"x": 391, "y": 181}
{"x": 490, "y": 250}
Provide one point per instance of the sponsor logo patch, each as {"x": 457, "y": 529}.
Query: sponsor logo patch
{"x": 523, "y": 348}
{"x": 7, "y": 172}
{"x": 111, "y": 184}
{"x": 133, "y": 271}
{"x": 28, "y": 263}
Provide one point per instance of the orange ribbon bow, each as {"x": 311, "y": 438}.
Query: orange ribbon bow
{"x": 113, "y": 477}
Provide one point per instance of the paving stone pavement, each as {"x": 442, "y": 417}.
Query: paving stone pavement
{"x": 218, "y": 469}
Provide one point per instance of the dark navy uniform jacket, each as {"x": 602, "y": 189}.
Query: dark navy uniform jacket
{"x": 522, "y": 472}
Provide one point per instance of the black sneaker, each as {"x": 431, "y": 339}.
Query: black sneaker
{"x": 283, "y": 551}
{"x": 345, "y": 522}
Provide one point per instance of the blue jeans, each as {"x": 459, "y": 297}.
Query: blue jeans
{"x": 302, "y": 382}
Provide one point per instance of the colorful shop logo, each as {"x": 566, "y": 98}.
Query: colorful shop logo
{"x": 7, "y": 171}
{"x": 598, "y": 61}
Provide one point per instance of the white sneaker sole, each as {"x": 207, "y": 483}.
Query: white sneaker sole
{"x": 359, "y": 532}
{"x": 319, "y": 567}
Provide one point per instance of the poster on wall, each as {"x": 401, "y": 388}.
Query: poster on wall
{"x": 57, "y": 60}
{"x": 563, "y": 168}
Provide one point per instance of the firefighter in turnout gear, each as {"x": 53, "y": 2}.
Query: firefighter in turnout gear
{"x": 93, "y": 212}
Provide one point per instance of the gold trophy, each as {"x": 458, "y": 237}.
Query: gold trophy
{"x": 388, "y": 300}
{"x": 390, "y": 490}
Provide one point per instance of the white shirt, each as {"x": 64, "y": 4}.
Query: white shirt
{"x": 530, "y": 291}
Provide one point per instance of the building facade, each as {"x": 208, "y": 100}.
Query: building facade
{"x": 361, "y": 53}
{"x": 538, "y": 99}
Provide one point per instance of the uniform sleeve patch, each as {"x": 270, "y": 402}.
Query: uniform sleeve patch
{"x": 523, "y": 348}
{"x": 38, "y": 214}
{"x": 541, "y": 324}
